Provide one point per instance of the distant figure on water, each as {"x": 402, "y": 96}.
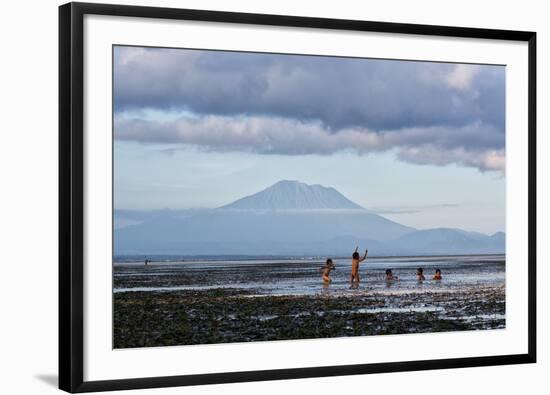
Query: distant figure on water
{"x": 437, "y": 275}
{"x": 329, "y": 266}
{"x": 355, "y": 261}
{"x": 147, "y": 261}
{"x": 420, "y": 274}
{"x": 390, "y": 276}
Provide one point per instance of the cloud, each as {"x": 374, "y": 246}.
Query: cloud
{"x": 412, "y": 209}
{"x": 462, "y": 76}
{"x": 339, "y": 92}
{"x": 427, "y": 113}
{"x": 489, "y": 160}
{"x": 470, "y": 145}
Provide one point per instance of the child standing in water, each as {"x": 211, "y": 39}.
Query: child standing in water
{"x": 329, "y": 266}
{"x": 420, "y": 274}
{"x": 437, "y": 275}
{"x": 390, "y": 276}
{"x": 355, "y": 261}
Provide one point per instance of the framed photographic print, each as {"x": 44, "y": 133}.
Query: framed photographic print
{"x": 250, "y": 197}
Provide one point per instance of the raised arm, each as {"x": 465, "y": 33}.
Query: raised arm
{"x": 364, "y": 256}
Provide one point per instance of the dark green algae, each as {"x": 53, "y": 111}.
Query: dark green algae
{"x": 222, "y": 315}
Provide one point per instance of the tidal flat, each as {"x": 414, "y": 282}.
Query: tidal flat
{"x": 168, "y": 304}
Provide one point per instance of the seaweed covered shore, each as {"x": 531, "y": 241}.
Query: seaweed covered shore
{"x": 225, "y": 315}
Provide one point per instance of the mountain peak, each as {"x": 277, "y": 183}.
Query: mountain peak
{"x": 294, "y": 195}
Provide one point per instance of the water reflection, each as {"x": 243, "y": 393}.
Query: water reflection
{"x": 298, "y": 277}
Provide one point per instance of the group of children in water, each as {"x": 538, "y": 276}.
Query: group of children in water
{"x": 356, "y": 259}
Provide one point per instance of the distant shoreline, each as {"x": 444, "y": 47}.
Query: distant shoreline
{"x": 174, "y": 258}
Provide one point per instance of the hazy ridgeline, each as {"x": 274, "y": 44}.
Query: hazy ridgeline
{"x": 288, "y": 218}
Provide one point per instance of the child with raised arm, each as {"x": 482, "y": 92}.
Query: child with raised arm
{"x": 355, "y": 261}
{"x": 329, "y": 266}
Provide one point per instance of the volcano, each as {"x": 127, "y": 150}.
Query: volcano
{"x": 287, "y": 218}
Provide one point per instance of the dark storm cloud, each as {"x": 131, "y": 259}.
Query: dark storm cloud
{"x": 340, "y": 92}
{"x": 429, "y": 112}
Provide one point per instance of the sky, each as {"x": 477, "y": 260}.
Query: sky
{"x": 421, "y": 143}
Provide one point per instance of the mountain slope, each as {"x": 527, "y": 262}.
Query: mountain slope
{"x": 243, "y": 231}
{"x": 294, "y": 195}
{"x": 288, "y": 218}
{"x": 447, "y": 241}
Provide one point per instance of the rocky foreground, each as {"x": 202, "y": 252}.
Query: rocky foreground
{"x": 150, "y": 319}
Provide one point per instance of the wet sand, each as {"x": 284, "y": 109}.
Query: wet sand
{"x": 156, "y": 308}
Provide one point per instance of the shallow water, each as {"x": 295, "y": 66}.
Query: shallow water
{"x": 303, "y": 277}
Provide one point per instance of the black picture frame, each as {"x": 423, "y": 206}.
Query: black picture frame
{"x": 71, "y": 195}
